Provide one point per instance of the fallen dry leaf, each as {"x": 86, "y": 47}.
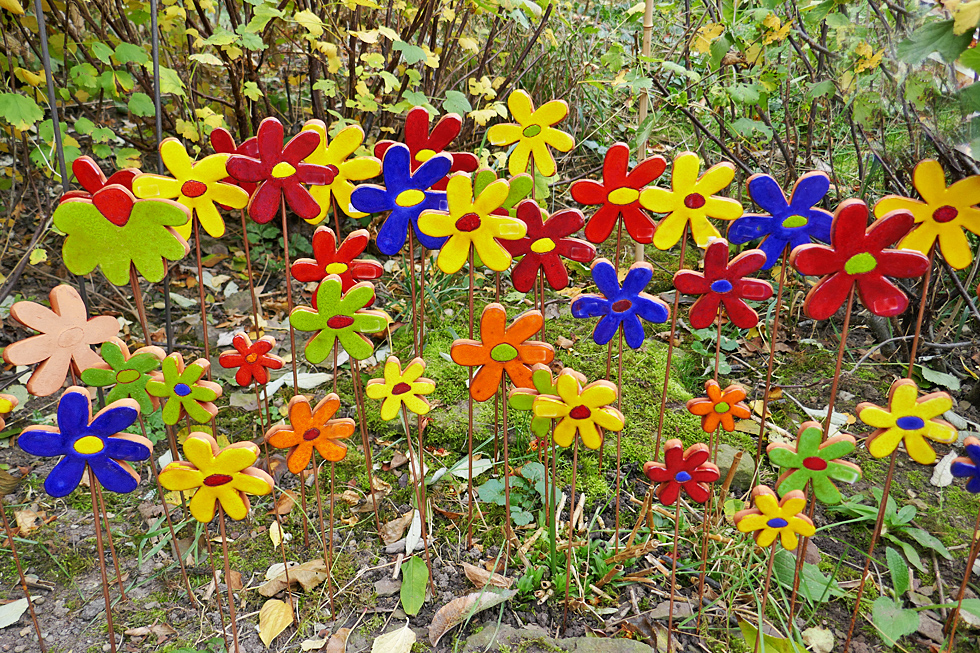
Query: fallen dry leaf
{"x": 308, "y": 575}
{"x": 274, "y": 617}
{"x": 235, "y": 580}
{"x": 29, "y": 520}
{"x": 285, "y": 503}
{"x": 481, "y": 577}
{"x": 398, "y": 641}
{"x": 565, "y": 343}
{"x": 275, "y": 533}
{"x": 397, "y": 461}
{"x": 338, "y": 641}
{"x": 392, "y": 531}
{"x": 453, "y": 613}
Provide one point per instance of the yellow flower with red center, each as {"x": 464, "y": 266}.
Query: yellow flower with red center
{"x": 534, "y": 133}
{"x": 399, "y": 388}
{"x": 583, "y": 411}
{"x": 335, "y": 156}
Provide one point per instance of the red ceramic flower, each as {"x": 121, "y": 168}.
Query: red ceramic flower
{"x": 545, "y": 243}
{"x": 92, "y": 179}
{"x": 222, "y": 142}
{"x": 253, "y": 360}
{"x": 423, "y": 144}
{"x": 279, "y": 171}
{"x": 688, "y": 470}
{"x": 857, "y": 254}
{"x": 724, "y": 282}
{"x": 330, "y": 259}
{"x": 619, "y": 195}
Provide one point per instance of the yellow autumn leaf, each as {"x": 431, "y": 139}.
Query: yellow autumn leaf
{"x": 482, "y": 116}
{"x": 274, "y": 617}
{"x": 368, "y": 36}
{"x": 753, "y": 54}
{"x": 482, "y": 87}
{"x": 310, "y": 21}
{"x": 620, "y": 79}
{"x": 334, "y": 62}
{"x": 432, "y": 59}
{"x": 706, "y": 35}
{"x": 26, "y": 76}
{"x": 390, "y": 33}
{"x": 469, "y": 44}
{"x": 775, "y": 30}
{"x": 12, "y": 6}
{"x": 965, "y": 17}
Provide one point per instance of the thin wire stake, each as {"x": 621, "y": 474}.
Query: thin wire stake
{"x": 93, "y": 481}
{"x": 673, "y": 569}
{"x": 765, "y": 598}
{"x": 140, "y": 307}
{"x": 158, "y": 124}
{"x": 362, "y": 419}
{"x": 923, "y": 302}
{"x": 508, "y": 526}
{"x": 231, "y": 596}
{"x": 609, "y": 348}
{"x": 469, "y": 429}
{"x": 772, "y": 354}
{"x": 954, "y": 618}
{"x": 708, "y": 510}
{"x": 619, "y": 435}
{"x": 323, "y": 532}
{"x": 419, "y": 474}
{"x": 217, "y": 592}
{"x": 410, "y": 273}
{"x": 497, "y": 394}
{"x": 422, "y": 258}
{"x": 553, "y": 515}
{"x": 204, "y": 310}
{"x": 333, "y": 466}
{"x": 670, "y": 349}
{"x": 571, "y": 534}
{"x": 112, "y": 548}
{"x": 20, "y": 574}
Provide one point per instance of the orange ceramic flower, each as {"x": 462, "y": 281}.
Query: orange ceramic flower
{"x": 720, "y": 406}
{"x": 503, "y": 349}
{"x": 309, "y": 429}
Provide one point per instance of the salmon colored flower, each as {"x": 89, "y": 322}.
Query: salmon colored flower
{"x": 534, "y": 133}
{"x": 335, "y": 156}
{"x": 619, "y": 195}
{"x": 908, "y": 418}
{"x": 253, "y": 360}
{"x": 196, "y": 185}
{"x": 544, "y": 245}
{"x": 330, "y": 259}
{"x": 582, "y": 411}
{"x": 942, "y": 216}
{"x": 682, "y": 470}
{"x": 399, "y": 388}
{"x": 185, "y": 392}
{"x": 502, "y": 349}
{"x": 472, "y": 223}
{"x": 91, "y": 178}
{"x": 719, "y": 407}
{"x": 310, "y": 429}
{"x": 691, "y": 201}
{"x": 771, "y": 518}
{"x": 423, "y": 145}
{"x": 218, "y": 475}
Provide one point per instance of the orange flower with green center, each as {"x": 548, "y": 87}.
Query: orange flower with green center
{"x": 582, "y": 411}
{"x": 310, "y": 429}
{"x": 534, "y": 133}
{"x": 719, "y": 407}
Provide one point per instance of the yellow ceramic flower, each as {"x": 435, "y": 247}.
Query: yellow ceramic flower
{"x": 224, "y": 475}
{"x": 908, "y": 418}
{"x": 471, "y": 222}
{"x": 581, "y": 410}
{"x": 772, "y": 518}
{"x": 197, "y": 186}
{"x": 534, "y": 133}
{"x": 399, "y": 388}
{"x": 692, "y": 201}
{"x": 335, "y": 157}
{"x": 942, "y": 216}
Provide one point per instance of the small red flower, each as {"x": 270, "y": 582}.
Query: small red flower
{"x": 330, "y": 259}
{"x": 423, "y": 145}
{"x": 619, "y": 194}
{"x": 724, "y": 282}
{"x": 279, "y": 171}
{"x": 857, "y": 255}
{"x": 252, "y": 360}
{"x": 222, "y": 142}
{"x": 545, "y": 244}
{"x": 92, "y": 179}
{"x": 689, "y": 470}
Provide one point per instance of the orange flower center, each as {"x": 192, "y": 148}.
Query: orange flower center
{"x": 469, "y": 222}
{"x": 193, "y": 188}
{"x": 401, "y": 388}
{"x": 251, "y": 358}
{"x": 945, "y": 214}
{"x": 580, "y": 412}
{"x": 214, "y": 480}
{"x": 340, "y": 321}
{"x": 311, "y": 434}
{"x": 694, "y": 201}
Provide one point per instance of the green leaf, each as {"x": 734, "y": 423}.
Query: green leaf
{"x": 770, "y": 644}
{"x": 905, "y": 515}
{"x": 102, "y": 134}
{"x": 129, "y": 53}
{"x": 744, "y": 93}
{"x": 972, "y": 606}
{"x": 250, "y": 40}
{"x": 934, "y": 37}
{"x": 456, "y": 102}
{"x": 520, "y": 517}
{"x": 84, "y": 126}
{"x": 971, "y": 59}
{"x": 412, "y": 54}
{"x": 821, "y": 89}
{"x": 899, "y": 571}
{"x": 969, "y": 98}
{"x": 928, "y": 541}
{"x": 252, "y": 91}
{"x": 102, "y": 51}
{"x": 492, "y": 492}
{"x": 892, "y": 620}
{"x": 415, "y": 576}
{"x": 910, "y": 553}
{"x": 310, "y": 21}
{"x": 718, "y": 49}
{"x": 221, "y": 37}
{"x": 19, "y": 111}
{"x": 170, "y": 82}
{"x": 940, "y": 378}
{"x": 263, "y": 14}
{"x": 140, "y": 104}
{"x": 206, "y": 58}
{"x": 814, "y": 586}
{"x": 613, "y": 58}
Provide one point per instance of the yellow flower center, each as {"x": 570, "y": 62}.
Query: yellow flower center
{"x": 127, "y": 376}
{"x": 336, "y": 268}
{"x": 283, "y": 170}
{"x": 542, "y": 245}
{"x": 6, "y": 405}
{"x": 424, "y": 155}
{"x": 89, "y": 445}
{"x": 623, "y": 196}
{"x": 411, "y": 197}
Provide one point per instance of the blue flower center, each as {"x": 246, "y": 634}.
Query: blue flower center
{"x": 909, "y": 423}
{"x": 182, "y": 389}
{"x": 721, "y": 286}
{"x": 682, "y": 477}
{"x": 777, "y": 522}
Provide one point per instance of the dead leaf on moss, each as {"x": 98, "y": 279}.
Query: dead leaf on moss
{"x": 481, "y": 577}
{"x": 274, "y": 617}
{"x": 308, "y": 575}
{"x": 456, "y": 611}
{"x": 392, "y": 531}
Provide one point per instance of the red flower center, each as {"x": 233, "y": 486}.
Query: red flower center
{"x": 814, "y": 463}
{"x": 694, "y": 201}
{"x": 311, "y": 434}
{"x": 945, "y": 213}
{"x": 193, "y": 188}
{"x": 340, "y": 321}
{"x": 622, "y": 305}
{"x": 469, "y": 222}
{"x": 214, "y": 480}
{"x": 580, "y": 412}
{"x": 401, "y": 388}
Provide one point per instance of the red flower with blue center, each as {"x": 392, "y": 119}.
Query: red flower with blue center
{"x": 330, "y": 259}
{"x": 688, "y": 470}
{"x": 723, "y": 282}
{"x": 544, "y": 245}
{"x": 92, "y": 179}
{"x": 619, "y": 195}
{"x": 423, "y": 145}
{"x": 620, "y": 307}
{"x": 279, "y": 171}
{"x": 859, "y": 254}
{"x": 253, "y": 360}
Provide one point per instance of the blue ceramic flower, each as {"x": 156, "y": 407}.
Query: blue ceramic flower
{"x": 405, "y": 195}
{"x": 789, "y": 223}
{"x": 621, "y": 307}
{"x": 83, "y": 441}
{"x": 969, "y": 466}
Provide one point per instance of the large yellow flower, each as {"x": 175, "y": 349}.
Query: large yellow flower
{"x": 471, "y": 222}
{"x": 908, "y": 418}
{"x": 772, "y": 518}
{"x": 581, "y": 410}
{"x": 335, "y": 157}
{"x": 942, "y": 216}
{"x": 196, "y": 185}
{"x": 691, "y": 200}
{"x": 399, "y": 388}
{"x": 224, "y": 475}
{"x": 533, "y": 134}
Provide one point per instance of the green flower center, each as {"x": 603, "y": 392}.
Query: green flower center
{"x": 722, "y": 407}
{"x": 531, "y": 131}
{"x": 127, "y": 376}
{"x": 794, "y": 221}
{"x": 503, "y": 352}
{"x": 860, "y": 263}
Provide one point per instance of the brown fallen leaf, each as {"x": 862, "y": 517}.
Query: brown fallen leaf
{"x": 392, "y": 531}
{"x": 8, "y": 482}
{"x": 338, "y": 641}
{"x": 162, "y": 631}
{"x": 235, "y": 580}
{"x": 274, "y": 617}
{"x": 308, "y": 575}
{"x": 396, "y": 461}
{"x": 453, "y": 613}
{"x": 565, "y": 343}
{"x": 481, "y": 577}
{"x": 28, "y": 520}
{"x": 284, "y": 504}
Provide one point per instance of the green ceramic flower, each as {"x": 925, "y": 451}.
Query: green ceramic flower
{"x": 128, "y": 373}
{"x": 339, "y": 316}
{"x": 819, "y": 464}
{"x": 544, "y": 384}
{"x": 184, "y": 390}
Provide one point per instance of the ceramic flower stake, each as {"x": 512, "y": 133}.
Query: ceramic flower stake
{"x": 968, "y": 467}
{"x": 787, "y": 225}
{"x": 221, "y": 480}
{"x": 93, "y": 445}
{"x": 402, "y": 392}
{"x": 689, "y": 471}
